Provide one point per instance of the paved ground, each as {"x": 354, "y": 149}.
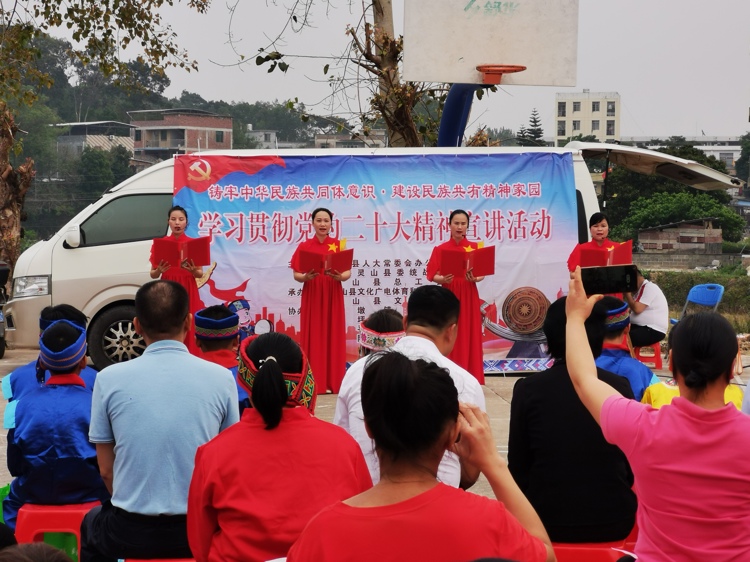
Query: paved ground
{"x": 497, "y": 392}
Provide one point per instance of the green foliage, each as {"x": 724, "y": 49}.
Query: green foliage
{"x": 120, "y": 158}
{"x": 742, "y": 165}
{"x": 95, "y": 169}
{"x": 735, "y": 247}
{"x": 535, "y": 131}
{"x": 39, "y": 138}
{"x": 666, "y": 208}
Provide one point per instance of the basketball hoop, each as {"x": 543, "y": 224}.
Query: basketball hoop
{"x": 493, "y": 73}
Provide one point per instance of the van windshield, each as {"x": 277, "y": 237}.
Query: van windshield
{"x": 127, "y": 219}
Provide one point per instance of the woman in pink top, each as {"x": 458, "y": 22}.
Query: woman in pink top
{"x": 412, "y": 412}
{"x": 691, "y": 459}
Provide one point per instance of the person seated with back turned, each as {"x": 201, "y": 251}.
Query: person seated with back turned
{"x": 49, "y": 452}
{"x": 217, "y": 335}
{"x": 256, "y": 485}
{"x": 650, "y": 319}
{"x": 26, "y": 377}
{"x": 411, "y": 410}
{"x": 148, "y": 417}
{"x": 615, "y": 356}
{"x": 431, "y": 326}
{"x": 579, "y": 484}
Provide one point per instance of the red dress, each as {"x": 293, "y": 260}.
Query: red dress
{"x": 468, "y": 352}
{"x": 322, "y": 320}
{"x": 186, "y": 279}
{"x": 575, "y": 256}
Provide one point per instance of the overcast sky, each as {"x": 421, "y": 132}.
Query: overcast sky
{"x": 681, "y": 67}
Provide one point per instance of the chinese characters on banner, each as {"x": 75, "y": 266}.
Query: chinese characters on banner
{"x": 392, "y": 209}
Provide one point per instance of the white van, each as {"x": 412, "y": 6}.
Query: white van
{"x": 99, "y": 259}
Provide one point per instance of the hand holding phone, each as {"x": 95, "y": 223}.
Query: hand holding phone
{"x": 609, "y": 279}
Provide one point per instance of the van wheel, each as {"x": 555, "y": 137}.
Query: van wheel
{"x": 112, "y": 337}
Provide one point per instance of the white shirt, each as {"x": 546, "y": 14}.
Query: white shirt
{"x": 656, "y": 315}
{"x": 349, "y": 413}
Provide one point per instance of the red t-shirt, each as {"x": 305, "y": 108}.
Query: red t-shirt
{"x": 444, "y": 524}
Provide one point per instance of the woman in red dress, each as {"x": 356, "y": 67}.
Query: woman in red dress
{"x": 185, "y": 275}
{"x": 322, "y": 318}
{"x": 599, "y": 228}
{"x": 467, "y": 352}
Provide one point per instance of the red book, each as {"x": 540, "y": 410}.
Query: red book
{"x": 619, "y": 253}
{"x": 340, "y": 261}
{"x": 175, "y": 253}
{"x": 457, "y": 262}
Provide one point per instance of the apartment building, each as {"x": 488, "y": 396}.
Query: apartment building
{"x": 587, "y": 113}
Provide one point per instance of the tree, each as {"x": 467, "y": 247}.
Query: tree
{"x": 120, "y": 156}
{"x": 535, "y": 130}
{"x": 666, "y": 208}
{"x": 95, "y": 170}
{"x": 742, "y": 166}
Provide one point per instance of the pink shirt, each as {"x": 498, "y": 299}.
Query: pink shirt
{"x": 692, "y": 473}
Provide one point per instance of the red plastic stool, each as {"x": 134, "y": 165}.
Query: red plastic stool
{"x": 35, "y": 520}
{"x": 588, "y": 552}
{"x": 655, "y": 359}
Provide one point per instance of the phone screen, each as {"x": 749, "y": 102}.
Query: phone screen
{"x": 609, "y": 279}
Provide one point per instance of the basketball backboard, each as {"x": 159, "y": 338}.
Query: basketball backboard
{"x": 445, "y": 40}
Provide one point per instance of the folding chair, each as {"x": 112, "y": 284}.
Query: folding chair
{"x": 708, "y": 295}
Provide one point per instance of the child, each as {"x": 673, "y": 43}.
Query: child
{"x": 49, "y": 451}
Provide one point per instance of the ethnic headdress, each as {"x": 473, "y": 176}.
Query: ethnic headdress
{"x": 300, "y": 387}
{"x": 617, "y": 318}
{"x": 66, "y": 359}
{"x": 377, "y": 341}
{"x": 211, "y": 329}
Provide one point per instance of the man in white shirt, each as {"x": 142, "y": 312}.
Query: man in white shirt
{"x": 431, "y": 328}
{"x": 650, "y": 318}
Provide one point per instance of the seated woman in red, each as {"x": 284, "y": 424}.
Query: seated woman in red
{"x": 258, "y": 483}
{"x": 412, "y": 412}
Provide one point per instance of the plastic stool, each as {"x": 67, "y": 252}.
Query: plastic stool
{"x": 588, "y": 552}
{"x": 160, "y": 559}
{"x": 656, "y": 359}
{"x": 35, "y": 520}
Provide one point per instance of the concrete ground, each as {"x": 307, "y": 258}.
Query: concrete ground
{"x": 497, "y": 392}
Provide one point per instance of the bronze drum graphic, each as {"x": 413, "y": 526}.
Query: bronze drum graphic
{"x": 524, "y": 310}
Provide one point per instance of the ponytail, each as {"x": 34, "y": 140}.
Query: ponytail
{"x": 269, "y": 393}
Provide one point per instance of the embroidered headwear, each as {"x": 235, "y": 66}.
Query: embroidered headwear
{"x": 377, "y": 341}
{"x": 212, "y": 329}
{"x": 300, "y": 387}
{"x": 617, "y": 318}
{"x": 66, "y": 359}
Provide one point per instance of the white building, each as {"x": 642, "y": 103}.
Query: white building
{"x": 587, "y": 113}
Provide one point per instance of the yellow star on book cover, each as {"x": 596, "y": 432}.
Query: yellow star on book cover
{"x": 339, "y": 246}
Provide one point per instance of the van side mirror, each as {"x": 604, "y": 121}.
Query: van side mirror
{"x": 73, "y": 236}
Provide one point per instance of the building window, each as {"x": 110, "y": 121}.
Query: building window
{"x": 610, "y": 109}
{"x": 266, "y": 137}
{"x": 610, "y": 127}
{"x": 561, "y": 128}
{"x": 576, "y": 125}
{"x": 219, "y": 136}
{"x": 594, "y": 106}
{"x": 561, "y": 109}
{"x": 595, "y": 125}
{"x": 138, "y": 135}
{"x": 727, "y": 158}
{"x": 576, "y": 106}
{"x": 163, "y": 135}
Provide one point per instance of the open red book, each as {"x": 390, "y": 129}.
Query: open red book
{"x": 621, "y": 253}
{"x": 339, "y": 261}
{"x": 197, "y": 250}
{"x": 457, "y": 262}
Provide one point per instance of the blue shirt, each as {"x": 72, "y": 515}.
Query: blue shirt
{"x": 158, "y": 409}
{"x": 620, "y": 362}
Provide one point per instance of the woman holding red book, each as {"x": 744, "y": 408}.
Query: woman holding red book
{"x": 322, "y": 318}
{"x": 467, "y": 352}
{"x": 186, "y": 274}
{"x": 599, "y": 229}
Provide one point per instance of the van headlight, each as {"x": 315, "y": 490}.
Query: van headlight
{"x": 32, "y": 286}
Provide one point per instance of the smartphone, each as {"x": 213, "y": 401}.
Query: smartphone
{"x": 609, "y": 279}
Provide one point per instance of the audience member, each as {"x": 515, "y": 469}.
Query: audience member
{"x": 691, "y": 459}
{"x": 650, "y": 319}
{"x": 578, "y": 483}
{"x": 29, "y": 376}
{"x": 256, "y": 485}
{"x": 149, "y": 416}
{"x": 217, "y": 335}
{"x": 431, "y": 326}
{"x": 615, "y": 356}
{"x": 33, "y": 552}
{"x": 380, "y": 331}
{"x": 411, "y": 409}
{"x": 48, "y": 451}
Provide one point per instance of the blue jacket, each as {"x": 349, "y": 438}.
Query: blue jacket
{"x": 620, "y": 362}
{"x": 22, "y": 379}
{"x": 49, "y": 451}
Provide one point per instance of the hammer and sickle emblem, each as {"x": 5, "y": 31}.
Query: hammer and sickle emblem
{"x": 202, "y": 171}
